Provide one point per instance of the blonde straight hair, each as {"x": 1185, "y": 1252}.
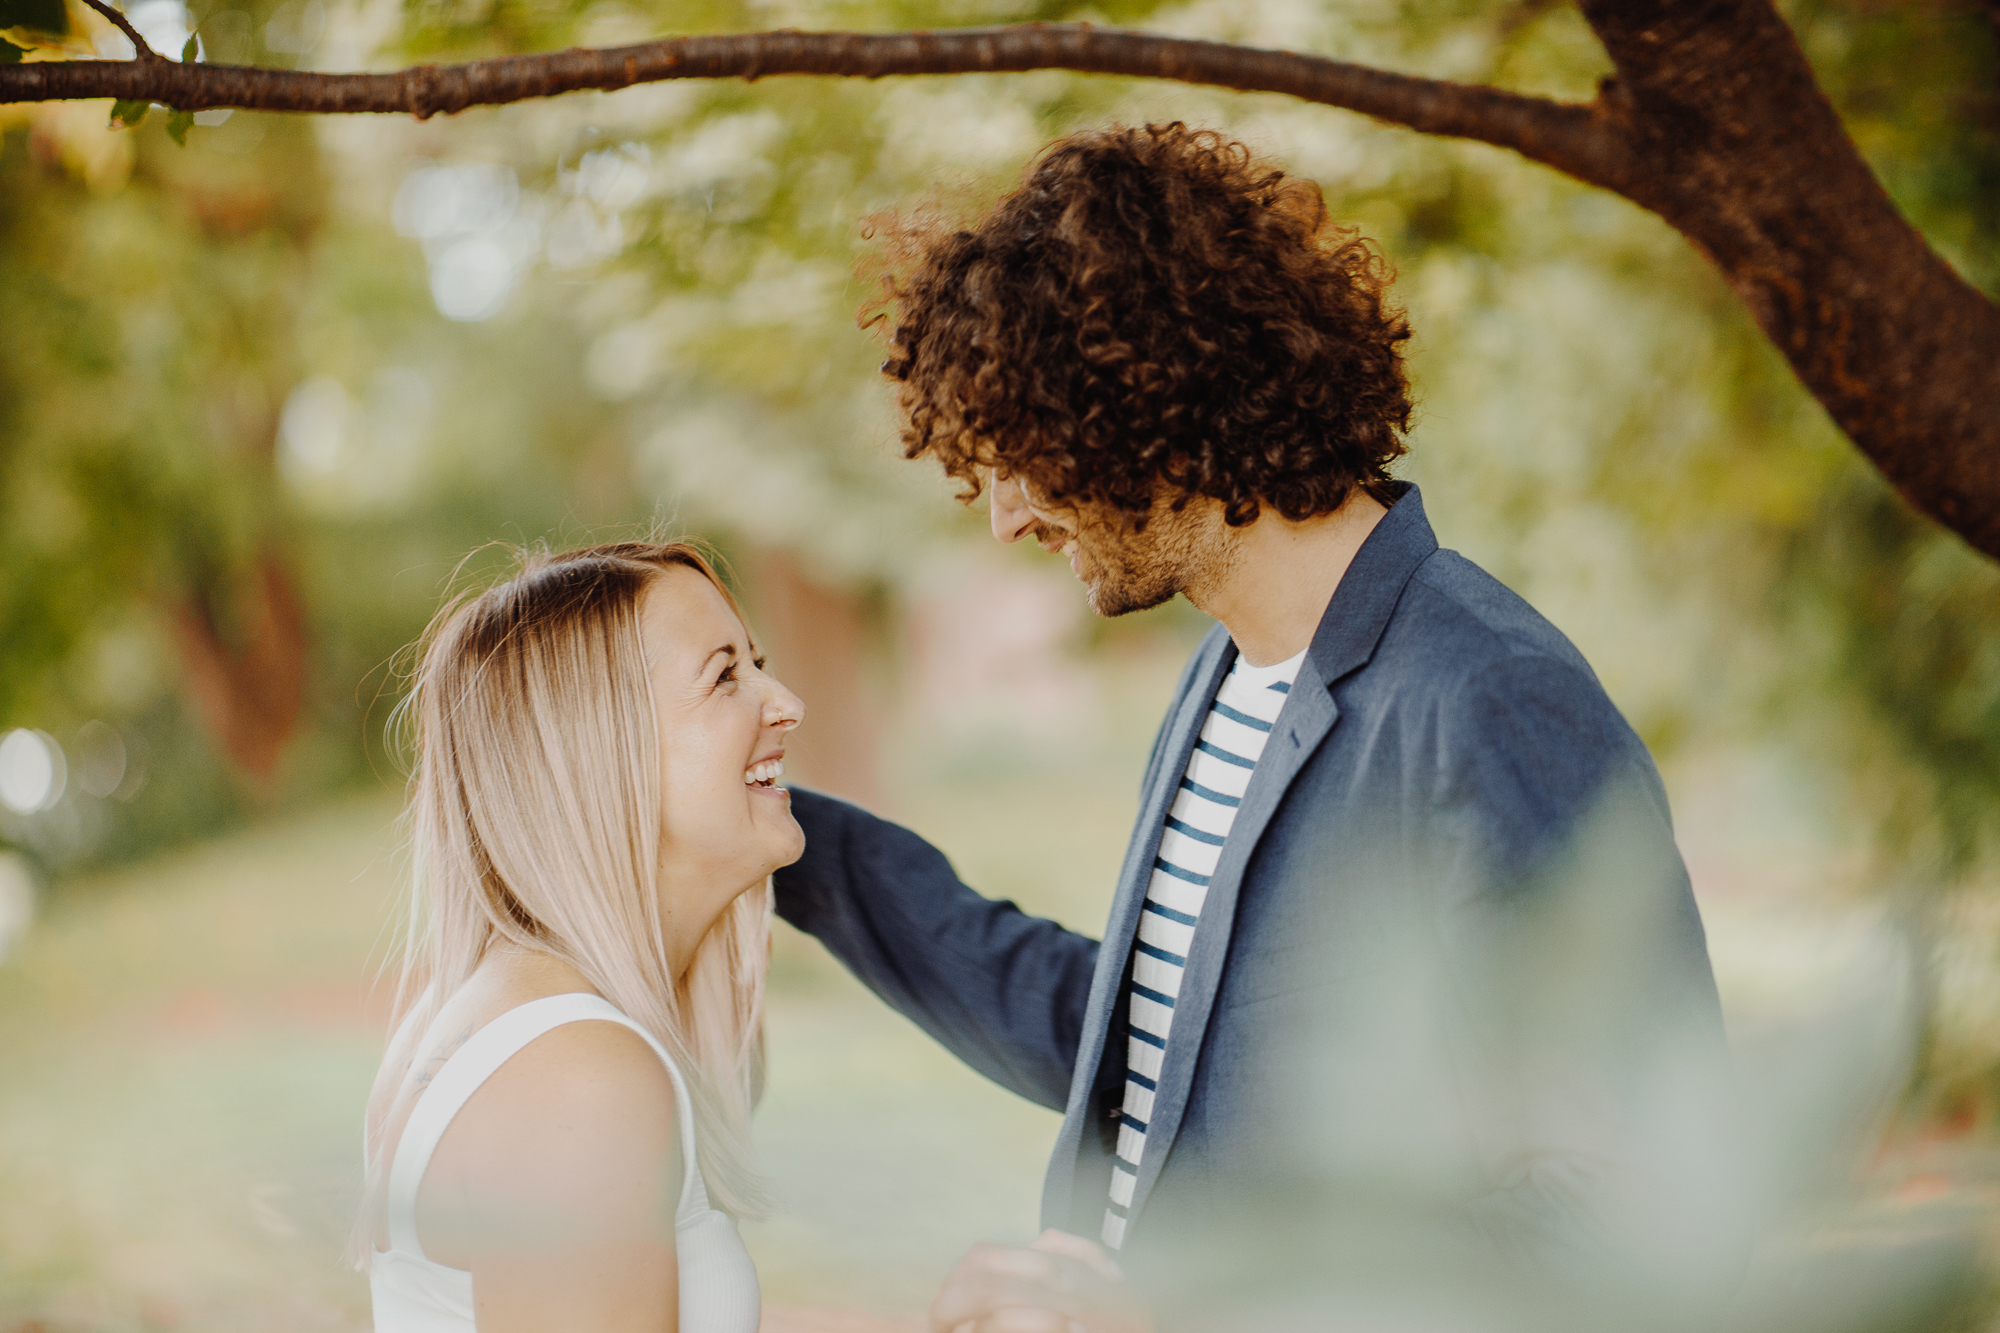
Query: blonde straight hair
{"x": 535, "y": 818}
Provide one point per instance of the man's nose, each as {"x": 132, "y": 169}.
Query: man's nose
{"x": 1008, "y": 510}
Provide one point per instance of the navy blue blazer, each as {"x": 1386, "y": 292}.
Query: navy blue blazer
{"x": 1449, "y": 958}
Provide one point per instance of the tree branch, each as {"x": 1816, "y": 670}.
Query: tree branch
{"x": 1568, "y": 137}
{"x": 1747, "y": 158}
{"x": 124, "y": 25}
{"x": 1714, "y": 122}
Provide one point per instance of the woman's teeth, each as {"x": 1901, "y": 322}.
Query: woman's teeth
{"x": 764, "y": 774}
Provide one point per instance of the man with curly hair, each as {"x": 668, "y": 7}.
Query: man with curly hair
{"x": 1402, "y": 944}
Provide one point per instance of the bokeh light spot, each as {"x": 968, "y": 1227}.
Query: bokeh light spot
{"x": 312, "y": 433}
{"x": 100, "y": 759}
{"x": 470, "y": 279}
{"x": 296, "y": 27}
{"x": 32, "y": 771}
{"x": 476, "y": 235}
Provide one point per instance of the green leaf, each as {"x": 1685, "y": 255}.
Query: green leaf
{"x": 192, "y": 49}
{"x": 127, "y": 115}
{"x": 49, "y": 16}
{"x": 177, "y": 126}
{"x": 10, "y": 54}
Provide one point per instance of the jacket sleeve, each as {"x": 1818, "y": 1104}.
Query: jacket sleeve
{"x": 1592, "y": 1037}
{"x": 1004, "y": 991}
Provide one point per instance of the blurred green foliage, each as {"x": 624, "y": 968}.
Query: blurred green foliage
{"x": 41, "y": 16}
{"x": 237, "y": 347}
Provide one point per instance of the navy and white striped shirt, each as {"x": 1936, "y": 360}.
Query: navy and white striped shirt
{"x": 1197, "y": 826}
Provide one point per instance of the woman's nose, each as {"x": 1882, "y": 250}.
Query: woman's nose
{"x": 783, "y": 709}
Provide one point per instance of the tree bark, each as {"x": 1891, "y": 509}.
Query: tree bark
{"x": 1714, "y": 122}
{"x": 1732, "y": 142}
{"x": 1563, "y": 135}
{"x": 249, "y": 693}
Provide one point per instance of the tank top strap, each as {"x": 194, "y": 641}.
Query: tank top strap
{"x": 694, "y": 1192}
{"x": 476, "y": 1061}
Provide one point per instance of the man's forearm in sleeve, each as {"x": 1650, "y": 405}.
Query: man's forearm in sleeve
{"x": 1002, "y": 990}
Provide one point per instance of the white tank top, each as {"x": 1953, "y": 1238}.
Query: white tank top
{"x": 415, "y": 1294}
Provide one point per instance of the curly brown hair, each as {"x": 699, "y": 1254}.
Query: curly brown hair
{"x": 1154, "y": 305}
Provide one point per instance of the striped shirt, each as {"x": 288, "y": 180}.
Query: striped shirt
{"x": 1197, "y": 826}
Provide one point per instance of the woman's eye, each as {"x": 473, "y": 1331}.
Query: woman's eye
{"x": 731, "y": 674}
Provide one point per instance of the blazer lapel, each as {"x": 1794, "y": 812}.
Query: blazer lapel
{"x": 1211, "y": 663}
{"x": 1308, "y": 715}
{"x": 1352, "y": 624}
{"x": 1348, "y": 632}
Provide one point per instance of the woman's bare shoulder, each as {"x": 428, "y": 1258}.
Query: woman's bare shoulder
{"x": 588, "y": 1082}
{"x": 575, "y": 1139}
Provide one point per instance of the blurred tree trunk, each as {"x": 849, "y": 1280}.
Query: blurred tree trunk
{"x": 815, "y": 639}
{"x": 244, "y": 652}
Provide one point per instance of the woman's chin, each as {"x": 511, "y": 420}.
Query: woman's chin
{"x": 795, "y": 850}
{"x": 780, "y": 834}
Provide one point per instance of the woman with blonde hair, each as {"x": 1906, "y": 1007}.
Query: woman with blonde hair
{"x": 558, "y": 1137}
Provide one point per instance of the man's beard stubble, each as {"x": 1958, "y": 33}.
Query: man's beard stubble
{"x": 1125, "y": 570}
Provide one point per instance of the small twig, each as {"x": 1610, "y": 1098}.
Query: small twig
{"x": 144, "y": 52}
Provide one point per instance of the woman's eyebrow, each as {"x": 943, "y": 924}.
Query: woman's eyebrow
{"x": 727, "y": 648}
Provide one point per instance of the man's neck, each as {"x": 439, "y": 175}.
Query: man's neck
{"x": 1271, "y": 587}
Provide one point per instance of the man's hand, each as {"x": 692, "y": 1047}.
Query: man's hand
{"x": 1059, "y": 1284}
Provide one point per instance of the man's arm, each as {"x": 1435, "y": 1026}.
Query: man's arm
{"x": 1593, "y": 1034}
{"x": 1002, "y": 990}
